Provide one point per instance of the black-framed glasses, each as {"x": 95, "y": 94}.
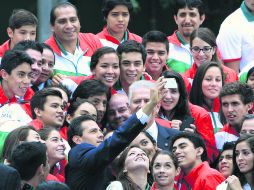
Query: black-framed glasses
{"x": 205, "y": 49}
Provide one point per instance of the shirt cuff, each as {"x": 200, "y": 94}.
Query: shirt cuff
{"x": 142, "y": 117}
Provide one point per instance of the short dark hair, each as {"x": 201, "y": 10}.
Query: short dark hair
{"x": 28, "y": 44}
{"x": 59, "y": 5}
{"x": 242, "y": 89}
{"x": 40, "y": 97}
{"x": 248, "y": 117}
{"x": 129, "y": 47}
{"x": 90, "y": 88}
{"x": 75, "y": 127}
{"x": 75, "y": 105}
{"x": 196, "y": 93}
{"x": 13, "y": 59}
{"x": 196, "y": 140}
{"x": 27, "y": 157}
{"x": 46, "y": 46}
{"x": 250, "y": 72}
{"x": 155, "y": 36}
{"x": 22, "y": 17}
{"x": 108, "y": 5}
{"x": 98, "y": 54}
{"x": 207, "y": 36}
{"x": 52, "y": 185}
{"x": 226, "y": 146}
{"x": 63, "y": 88}
{"x": 181, "y": 4}
{"x": 13, "y": 139}
{"x": 182, "y": 107}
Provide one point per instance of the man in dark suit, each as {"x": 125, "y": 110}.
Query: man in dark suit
{"x": 139, "y": 95}
{"x": 91, "y": 155}
{"x": 10, "y": 178}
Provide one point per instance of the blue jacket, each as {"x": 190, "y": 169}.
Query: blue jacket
{"x": 164, "y": 136}
{"x": 10, "y": 178}
{"x": 88, "y": 165}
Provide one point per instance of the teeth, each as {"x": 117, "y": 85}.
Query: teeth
{"x": 109, "y": 78}
{"x": 131, "y": 75}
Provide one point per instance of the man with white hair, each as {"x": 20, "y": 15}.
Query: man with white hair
{"x": 139, "y": 95}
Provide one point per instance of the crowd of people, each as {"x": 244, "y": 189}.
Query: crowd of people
{"x": 114, "y": 110}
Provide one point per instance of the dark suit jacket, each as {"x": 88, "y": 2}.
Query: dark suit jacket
{"x": 87, "y": 167}
{"x": 10, "y": 178}
{"x": 164, "y": 136}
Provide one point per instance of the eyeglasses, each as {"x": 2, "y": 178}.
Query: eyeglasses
{"x": 205, "y": 49}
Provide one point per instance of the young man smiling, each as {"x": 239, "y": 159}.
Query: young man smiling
{"x": 47, "y": 107}
{"x": 132, "y": 59}
{"x": 191, "y": 155}
{"x": 15, "y": 91}
{"x": 72, "y": 48}
{"x": 188, "y": 15}
{"x": 22, "y": 26}
{"x": 91, "y": 155}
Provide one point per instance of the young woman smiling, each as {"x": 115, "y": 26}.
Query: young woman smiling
{"x": 204, "y": 49}
{"x": 205, "y": 90}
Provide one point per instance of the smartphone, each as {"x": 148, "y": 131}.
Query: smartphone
{"x": 170, "y": 83}
{"x": 186, "y": 123}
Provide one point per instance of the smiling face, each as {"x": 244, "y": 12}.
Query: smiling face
{"x": 48, "y": 63}
{"x": 118, "y": 19}
{"x": 107, "y": 69}
{"x": 18, "y": 81}
{"x": 131, "y": 67}
{"x": 118, "y": 111}
{"x": 164, "y": 170}
{"x": 156, "y": 57}
{"x": 186, "y": 154}
{"x": 136, "y": 159}
{"x": 244, "y": 157}
{"x": 55, "y": 147}
{"x": 225, "y": 165}
{"x": 146, "y": 144}
{"x": 26, "y": 32}
{"x": 188, "y": 20}
{"x": 203, "y": 56}
{"x": 67, "y": 25}
{"x": 170, "y": 98}
{"x": 91, "y": 134}
{"x": 212, "y": 83}
{"x": 140, "y": 97}
{"x": 52, "y": 115}
{"x": 37, "y": 63}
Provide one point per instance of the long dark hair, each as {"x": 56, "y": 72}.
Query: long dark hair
{"x": 13, "y": 139}
{"x": 126, "y": 181}
{"x": 196, "y": 93}
{"x": 249, "y": 139}
{"x": 207, "y": 36}
{"x": 181, "y": 110}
